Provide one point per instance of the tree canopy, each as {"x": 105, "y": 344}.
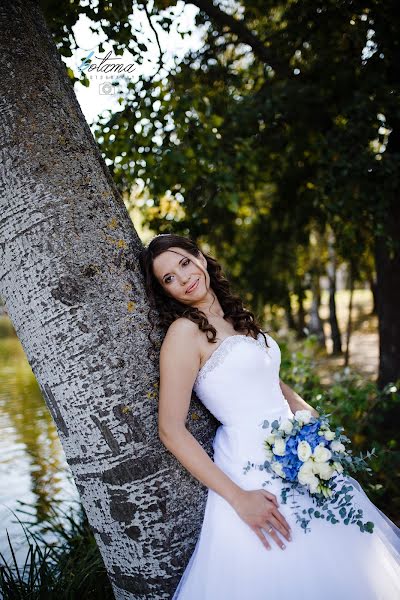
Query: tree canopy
{"x": 283, "y": 122}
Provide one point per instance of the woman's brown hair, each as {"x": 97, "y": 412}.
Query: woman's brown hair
{"x": 169, "y": 309}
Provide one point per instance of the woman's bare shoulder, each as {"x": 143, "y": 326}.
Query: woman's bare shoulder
{"x": 181, "y": 346}
{"x": 182, "y": 330}
{"x": 184, "y": 325}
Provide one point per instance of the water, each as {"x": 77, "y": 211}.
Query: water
{"x": 33, "y": 469}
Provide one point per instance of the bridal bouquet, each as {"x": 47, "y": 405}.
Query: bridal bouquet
{"x": 306, "y": 453}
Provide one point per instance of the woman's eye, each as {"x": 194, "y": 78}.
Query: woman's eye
{"x": 184, "y": 264}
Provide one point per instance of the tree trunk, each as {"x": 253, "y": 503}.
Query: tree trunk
{"x": 301, "y": 313}
{"x": 350, "y": 315}
{"x": 388, "y": 301}
{"x": 374, "y": 291}
{"x": 331, "y": 271}
{"x": 387, "y": 264}
{"x": 315, "y": 325}
{"x": 73, "y": 288}
{"x": 290, "y": 322}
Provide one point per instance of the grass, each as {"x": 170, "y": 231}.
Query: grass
{"x": 62, "y": 561}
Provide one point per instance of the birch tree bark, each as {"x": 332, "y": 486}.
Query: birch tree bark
{"x": 71, "y": 282}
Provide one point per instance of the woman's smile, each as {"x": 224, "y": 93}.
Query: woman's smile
{"x": 193, "y": 287}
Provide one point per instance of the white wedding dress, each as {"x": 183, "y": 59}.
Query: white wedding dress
{"x": 239, "y": 384}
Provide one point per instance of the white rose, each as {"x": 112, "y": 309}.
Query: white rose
{"x": 286, "y": 426}
{"x": 338, "y": 467}
{"x": 306, "y": 470}
{"x": 324, "y": 470}
{"x": 269, "y": 454}
{"x": 270, "y": 438}
{"x": 304, "y": 416}
{"x": 279, "y": 448}
{"x": 314, "y": 485}
{"x": 308, "y": 479}
{"x": 329, "y": 435}
{"x": 321, "y": 454}
{"x": 277, "y": 467}
{"x": 308, "y": 465}
{"x": 337, "y": 446}
{"x": 304, "y": 450}
{"x": 304, "y": 476}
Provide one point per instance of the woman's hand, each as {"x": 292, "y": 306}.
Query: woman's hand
{"x": 259, "y": 509}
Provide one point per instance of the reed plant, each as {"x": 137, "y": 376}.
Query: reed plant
{"x": 62, "y": 560}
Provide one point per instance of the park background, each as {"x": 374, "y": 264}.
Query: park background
{"x": 266, "y": 132}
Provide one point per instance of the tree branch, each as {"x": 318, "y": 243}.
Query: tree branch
{"x": 239, "y": 28}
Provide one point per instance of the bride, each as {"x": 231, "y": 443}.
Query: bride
{"x": 251, "y": 544}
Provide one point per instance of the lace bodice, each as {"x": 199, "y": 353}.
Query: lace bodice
{"x": 217, "y": 357}
{"x": 239, "y": 383}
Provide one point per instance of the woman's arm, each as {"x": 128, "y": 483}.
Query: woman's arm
{"x": 295, "y": 401}
{"x": 179, "y": 365}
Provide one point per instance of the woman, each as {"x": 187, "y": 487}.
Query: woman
{"x": 214, "y": 346}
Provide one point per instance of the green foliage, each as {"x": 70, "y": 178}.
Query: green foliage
{"x": 369, "y": 416}
{"x": 264, "y": 146}
{"x": 298, "y": 369}
{"x": 62, "y": 561}
{"x": 309, "y": 115}
{"x": 280, "y": 122}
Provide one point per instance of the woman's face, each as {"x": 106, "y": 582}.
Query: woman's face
{"x": 177, "y": 270}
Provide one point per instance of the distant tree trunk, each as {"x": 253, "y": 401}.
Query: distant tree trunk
{"x": 350, "y": 314}
{"x": 315, "y": 325}
{"x": 260, "y": 307}
{"x": 388, "y": 296}
{"x": 74, "y": 291}
{"x": 301, "y": 314}
{"x": 374, "y": 291}
{"x": 387, "y": 263}
{"x": 331, "y": 271}
{"x": 290, "y": 322}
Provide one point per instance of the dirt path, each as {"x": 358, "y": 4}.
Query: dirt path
{"x": 364, "y": 340}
